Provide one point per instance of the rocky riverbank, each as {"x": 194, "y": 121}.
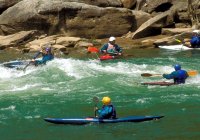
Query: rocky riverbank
{"x": 71, "y": 26}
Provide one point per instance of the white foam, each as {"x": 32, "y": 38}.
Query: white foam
{"x": 12, "y": 107}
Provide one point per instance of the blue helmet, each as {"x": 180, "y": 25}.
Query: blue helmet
{"x": 177, "y": 67}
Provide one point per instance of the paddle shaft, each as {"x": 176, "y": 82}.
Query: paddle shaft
{"x": 190, "y": 73}
{"x": 96, "y": 100}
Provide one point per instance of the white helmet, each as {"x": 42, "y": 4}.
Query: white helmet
{"x": 196, "y": 31}
{"x": 111, "y": 38}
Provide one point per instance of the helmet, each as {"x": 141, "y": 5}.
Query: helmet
{"x": 196, "y": 31}
{"x": 177, "y": 67}
{"x": 111, "y": 38}
{"x": 106, "y": 100}
{"x": 48, "y": 49}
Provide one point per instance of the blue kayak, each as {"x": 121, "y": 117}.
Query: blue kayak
{"x": 79, "y": 121}
{"x": 15, "y": 64}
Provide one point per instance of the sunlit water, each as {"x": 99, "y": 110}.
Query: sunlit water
{"x": 65, "y": 87}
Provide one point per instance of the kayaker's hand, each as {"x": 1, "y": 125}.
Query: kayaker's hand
{"x": 33, "y": 60}
{"x": 104, "y": 51}
{"x": 164, "y": 75}
{"x": 119, "y": 53}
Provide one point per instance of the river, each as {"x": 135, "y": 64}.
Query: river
{"x": 65, "y": 87}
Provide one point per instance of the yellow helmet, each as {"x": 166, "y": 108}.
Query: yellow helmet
{"x": 106, "y": 100}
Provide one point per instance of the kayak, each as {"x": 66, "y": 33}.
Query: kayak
{"x": 158, "y": 83}
{"x": 79, "y": 121}
{"x": 15, "y": 64}
{"x": 178, "y": 47}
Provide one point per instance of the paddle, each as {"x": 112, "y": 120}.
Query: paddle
{"x": 190, "y": 73}
{"x": 150, "y": 75}
{"x": 182, "y": 42}
{"x": 95, "y": 100}
{"x": 93, "y": 50}
{"x": 24, "y": 69}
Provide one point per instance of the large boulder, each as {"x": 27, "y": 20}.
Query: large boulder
{"x": 140, "y": 17}
{"x": 148, "y": 28}
{"x": 4, "y": 4}
{"x": 70, "y": 18}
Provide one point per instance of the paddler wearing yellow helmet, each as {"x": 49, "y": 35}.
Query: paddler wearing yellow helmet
{"x": 108, "y": 110}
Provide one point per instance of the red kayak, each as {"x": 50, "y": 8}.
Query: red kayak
{"x": 158, "y": 83}
{"x": 106, "y": 57}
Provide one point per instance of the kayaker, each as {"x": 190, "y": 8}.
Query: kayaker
{"x": 47, "y": 55}
{"x": 178, "y": 75}
{"x": 108, "y": 110}
{"x": 195, "y": 40}
{"x": 111, "y": 47}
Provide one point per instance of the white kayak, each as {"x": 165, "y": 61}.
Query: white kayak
{"x": 177, "y": 47}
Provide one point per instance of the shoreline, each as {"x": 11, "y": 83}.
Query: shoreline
{"x": 128, "y": 46}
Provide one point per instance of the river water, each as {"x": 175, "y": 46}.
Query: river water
{"x": 65, "y": 87}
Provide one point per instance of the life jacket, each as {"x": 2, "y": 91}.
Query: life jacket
{"x": 111, "y": 48}
{"x": 195, "y": 42}
{"x": 111, "y": 115}
{"x": 181, "y": 76}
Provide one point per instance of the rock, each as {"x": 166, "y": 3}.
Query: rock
{"x": 4, "y": 4}
{"x": 103, "y": 3}
{"x": 182, "y": 25}
{"x": 16, "y": 39}
{"x": 174, "y": 31}
{"x": 140, "y": 17}
{"x": 41, "y": 42}
{"x": 157, "y": 6}
{"x": 83, "y": 44}
{"x": 70, "y": 18}
{"x": 59, "y": 47}
{"x": 140, "y": 4}
{"x": 148, "y": 42}
{"x": 68, "y": 41}
{"x": 145, "y": 29}
{"x": 165, "y": 41}
{"x": 128, "y": 3}
{"x": 34, "y": 48}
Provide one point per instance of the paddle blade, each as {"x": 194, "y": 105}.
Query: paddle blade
{"x": 192, "y": 73}
{"x": 95, "y": 99}
{"x": 178, "y": 40}
{"x": 150, "y": 75}
{"x": 93, "y": 49}
{"x": 146, "y": 74}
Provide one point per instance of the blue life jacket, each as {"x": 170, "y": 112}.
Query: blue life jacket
{"x": 107, "y": 112}
{"x": 195, "y": 41}
{"x": 180, "y": 77}
{"x": 45, "y": 58}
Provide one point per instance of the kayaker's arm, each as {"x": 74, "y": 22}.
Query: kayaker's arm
{"x": 170, "y": 76}
{"x": 104, "y": 112}
{"x": 104, "y": 48}
{"x": 37, "y": 54}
